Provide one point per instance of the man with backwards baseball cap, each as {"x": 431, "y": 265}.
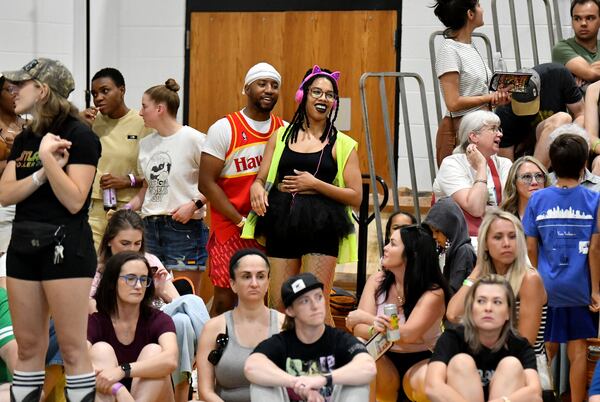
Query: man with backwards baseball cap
{"x": 230, "y": 160}
{"x": 313, "y": 361}
{"x": 552, "y": 98}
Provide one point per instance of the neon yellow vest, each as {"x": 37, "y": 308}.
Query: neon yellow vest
{"x": 348, "y": 250}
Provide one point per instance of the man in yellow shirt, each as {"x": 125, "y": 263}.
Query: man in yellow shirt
{"x": 120, "y": 130}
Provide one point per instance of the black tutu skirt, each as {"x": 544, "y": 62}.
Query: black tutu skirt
{"x": 303, "y": 216}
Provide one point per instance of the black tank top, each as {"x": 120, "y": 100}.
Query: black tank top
{"x": 326, "y": 170}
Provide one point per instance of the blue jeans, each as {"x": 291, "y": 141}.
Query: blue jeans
{"x": 179, "y": 246}
{"x": 53, "y": 356}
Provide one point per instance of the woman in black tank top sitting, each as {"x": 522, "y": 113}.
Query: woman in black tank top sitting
{"x": 228, "y": 339}
{"x": 308, "y": 179}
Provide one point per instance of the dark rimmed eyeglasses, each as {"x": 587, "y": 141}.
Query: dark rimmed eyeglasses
{"x": 132, "y": 280}
{"x": 318, "y": 92}
{"x": 527, "y": 178}
{"x": 215, "y": 355}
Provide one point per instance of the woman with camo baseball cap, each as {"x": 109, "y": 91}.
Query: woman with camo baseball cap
{"x": 51, "y": 258}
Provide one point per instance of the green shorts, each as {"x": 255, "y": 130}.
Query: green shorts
{"x": 6, "y": 333}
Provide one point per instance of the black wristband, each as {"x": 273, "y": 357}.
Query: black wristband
{"x": 126, "y": 367}
{"x": 199, "y": 203}
{"x": 329, "y": 379}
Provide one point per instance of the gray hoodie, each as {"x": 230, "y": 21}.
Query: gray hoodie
{"x": 446, "y": 216}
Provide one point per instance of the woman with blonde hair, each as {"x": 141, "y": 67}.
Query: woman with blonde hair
{"x": 502, "y": 250}
{"x": 51, "y": 258}
{"x": 484, "y": 359}
{"x": 526, "y": 175}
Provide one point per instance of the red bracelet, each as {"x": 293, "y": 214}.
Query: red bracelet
{"x": 115, "y": 388}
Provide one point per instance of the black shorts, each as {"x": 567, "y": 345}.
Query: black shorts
{"x": 79, "y": 260}
{"x": 294, "y": 247}
{"x": 403, "y": 362}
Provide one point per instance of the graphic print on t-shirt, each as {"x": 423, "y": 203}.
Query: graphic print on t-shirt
{"x": 159, "y": 167}
{"x": 298, "y": 367}
{"x": 568, "y": 224}
{"x": 28, "y": 159}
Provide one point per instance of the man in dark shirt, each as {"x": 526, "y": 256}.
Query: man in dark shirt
{"x": 530, "y": 118}
{"x": 309, "y": 358}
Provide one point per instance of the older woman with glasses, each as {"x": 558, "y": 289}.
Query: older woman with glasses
{"x": 474, "y": 174}
{"x": 526, "y": 176}
{"x": 133, "y": 346}
{"x": 228, "y": 339}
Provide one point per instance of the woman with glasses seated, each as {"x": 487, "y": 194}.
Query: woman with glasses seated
{"x": 411, "y": 279}
{"x": 125, "y": 232}
{"x": 308, "y": 180}
{"x": 133, "y": 346}
{"x": 474, "y": 175}
{"x": 526, "y": 176}
{"x": 228, "y": 339}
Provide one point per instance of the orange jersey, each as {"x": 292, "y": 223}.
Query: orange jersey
{"x": 242, "y": 162}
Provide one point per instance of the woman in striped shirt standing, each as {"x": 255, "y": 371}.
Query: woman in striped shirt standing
{"x": 463, "y": 74}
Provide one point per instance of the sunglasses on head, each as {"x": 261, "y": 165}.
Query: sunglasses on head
{"x": 215, "y": 355}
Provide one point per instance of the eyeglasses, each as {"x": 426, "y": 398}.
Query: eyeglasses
{"x": 318, "y": 92}
{"x": 11, "y": 89}
{"x": 132, "y": 280}
{"x": 215, "y": 355}
{"x": 493, "y": 129}
{"x": 527, "y": 178}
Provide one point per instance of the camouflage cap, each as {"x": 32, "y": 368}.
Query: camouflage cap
{"x": 50, "y": 72}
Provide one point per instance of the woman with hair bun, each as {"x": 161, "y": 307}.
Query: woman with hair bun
{"x": 171, "y": 205}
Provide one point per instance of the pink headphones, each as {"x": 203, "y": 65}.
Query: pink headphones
{"x": 316, "y": 71}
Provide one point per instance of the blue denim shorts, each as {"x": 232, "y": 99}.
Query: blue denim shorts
{"x": 179, "y": 246}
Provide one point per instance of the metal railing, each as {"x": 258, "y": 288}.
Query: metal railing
{"x": 532, "y": 32}
{"x": 364, "y": 218}
{"x": 400, "y": 77}
{"x": 432, "y": 57}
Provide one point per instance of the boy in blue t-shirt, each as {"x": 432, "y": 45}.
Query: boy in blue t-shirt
{"x": 561, "y": 225}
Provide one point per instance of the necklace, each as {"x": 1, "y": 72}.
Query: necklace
{"x": 401, "y": 300}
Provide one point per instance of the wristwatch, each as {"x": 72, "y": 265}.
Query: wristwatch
{"x": 199, "y": 204}
{"x": 126, "y": 367}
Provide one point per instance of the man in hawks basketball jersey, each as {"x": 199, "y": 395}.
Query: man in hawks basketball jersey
{"x": 230, "y": 160}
